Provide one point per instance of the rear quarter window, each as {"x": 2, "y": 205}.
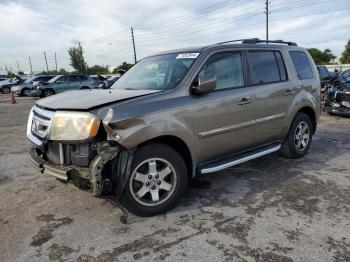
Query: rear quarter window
{"x": 301, "y": 64}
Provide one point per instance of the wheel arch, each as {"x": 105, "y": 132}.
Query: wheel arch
{"x": 178, "y": 145}
{"x": 307, "y": 110}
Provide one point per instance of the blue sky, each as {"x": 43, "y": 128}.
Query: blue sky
{"x": 29, "y": 27}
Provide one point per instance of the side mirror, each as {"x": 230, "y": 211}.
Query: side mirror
{"x": 58, "y": 82}
{"x": 204, "y": 86}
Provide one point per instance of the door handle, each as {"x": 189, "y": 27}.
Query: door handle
{"x": 244, "y": 101}
{"x": 289, "y": 92}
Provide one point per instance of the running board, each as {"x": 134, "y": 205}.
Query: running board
{"x": 239, "y": 159}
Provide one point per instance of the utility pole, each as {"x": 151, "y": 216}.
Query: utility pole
{"x": 56, "y": 61}
{"x": 18, "y": 67}
{"x": 30, "y": 63}
{"x": 267, "y": 20}
{"x": 133, "y": 44}
{"x": 47, "y": 67}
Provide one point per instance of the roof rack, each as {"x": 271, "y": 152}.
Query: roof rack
{"x": 257, "y": 40}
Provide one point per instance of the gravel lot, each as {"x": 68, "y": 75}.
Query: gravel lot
{"x": 270, "y": 209}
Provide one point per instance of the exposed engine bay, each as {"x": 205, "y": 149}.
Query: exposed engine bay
{"x": 336, "y": 96}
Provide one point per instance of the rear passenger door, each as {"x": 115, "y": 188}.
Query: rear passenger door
{"x": 74, "y": 82}
{"x": 272, "y": 94}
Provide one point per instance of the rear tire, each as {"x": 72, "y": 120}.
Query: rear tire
{"x": 48, "y": 92}
{"x": 85, "y": 88}
{"x": 299, "y": 137}
{"x": 25, "y": 92}
{"x": 157, "y": 181}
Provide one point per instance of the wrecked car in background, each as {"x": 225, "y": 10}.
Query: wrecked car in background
{"x": 178, "y": 114}
{"x": 337, "y": 95}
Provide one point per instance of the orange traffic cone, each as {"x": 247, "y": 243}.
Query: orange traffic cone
{"x": 13, "y": 98}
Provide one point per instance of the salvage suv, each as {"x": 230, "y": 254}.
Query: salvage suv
{"x": 178, "y": 114}
{"x": 62, "y": 83}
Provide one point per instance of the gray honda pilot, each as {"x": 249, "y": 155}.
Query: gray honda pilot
{"x": 176, "y": 115}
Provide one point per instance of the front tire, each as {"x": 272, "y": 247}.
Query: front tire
{"x": 299, "y": 137}
{"x": 6, "y": 90}
{"x": 157, "y": 181}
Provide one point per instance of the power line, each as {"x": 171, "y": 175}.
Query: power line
{"x": 215, "y": 6}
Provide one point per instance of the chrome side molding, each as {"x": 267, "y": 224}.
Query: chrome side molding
{"x": 240, "y": 160}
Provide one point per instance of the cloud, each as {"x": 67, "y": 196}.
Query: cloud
{"x": 29, "y": 27}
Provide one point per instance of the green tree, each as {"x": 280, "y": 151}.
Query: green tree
{"x": 97, "y": 70}
{"x": 321, "y": 57}
{"x": 76, "y": 56}
{"x": 345, "y": 56}
{"x": 10, "y": 74}
{"x": 328, "y": 52}
{"x": 125, "y": 66}
{"x": 62, "y": 71}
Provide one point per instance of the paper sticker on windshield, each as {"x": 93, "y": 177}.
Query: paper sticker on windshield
{"x": 187, "y": 55}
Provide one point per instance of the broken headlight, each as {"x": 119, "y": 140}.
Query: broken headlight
{"x": 73, "y": 126}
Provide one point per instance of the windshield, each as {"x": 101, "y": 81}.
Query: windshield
{"x": 158, "y": 72}
{"x": 53, "y": 79}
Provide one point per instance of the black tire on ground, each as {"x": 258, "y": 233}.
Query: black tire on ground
{"x": 24, "y": 92}
{"x": 85, "y": 87}
{"x": 158, "y": 151}
{"x": 48, "y": 92}
{"x": 290, "y": 146}
{"x": 6, "y": 90}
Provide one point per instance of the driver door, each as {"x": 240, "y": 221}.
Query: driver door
{"x": 223, "y": 119}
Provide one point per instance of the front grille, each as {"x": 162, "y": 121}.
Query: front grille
{"x": 38, "y": 126}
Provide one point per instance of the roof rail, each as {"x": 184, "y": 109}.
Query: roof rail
{"x": 257, "y": 40}
{"x": 232, "y": 41}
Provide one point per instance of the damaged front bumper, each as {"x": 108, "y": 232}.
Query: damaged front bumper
{"x": 81, "y": 176}
{"x": 60, "y": 172}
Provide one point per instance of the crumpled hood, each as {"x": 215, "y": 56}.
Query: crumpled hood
{"x": 89, "y": 99}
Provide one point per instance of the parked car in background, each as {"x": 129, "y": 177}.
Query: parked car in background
{"x": 217, "y": 106}
{"x": 6, "y": 85}
{"x": 346, "y": 74}
{"x": 3, "y": 78}
{"x": 25, "y": 88}
{"x": 63, "y": 83}
{"x": 325, "y": 75}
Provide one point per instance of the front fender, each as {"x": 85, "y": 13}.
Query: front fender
{"x": 134, "y": 131}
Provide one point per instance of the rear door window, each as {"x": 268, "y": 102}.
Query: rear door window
{"x": 302, "y": 65}
{"x": 83, "y": 78}
{"x": 264, "y": 68}
{"x": 74, "y": 78}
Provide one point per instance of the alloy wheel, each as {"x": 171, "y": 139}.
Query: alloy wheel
{"x": 302, "y": 136}
{"x": 153, "y": 181}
